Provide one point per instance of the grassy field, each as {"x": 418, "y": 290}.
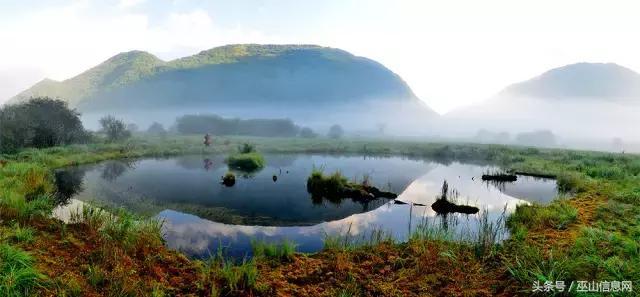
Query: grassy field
{"x": 592, "y": 234}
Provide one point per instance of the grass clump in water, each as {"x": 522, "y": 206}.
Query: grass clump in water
{"x": 328, "y": 186}
{"x": 247, "y": 158}
{"x": 336, "y": 187}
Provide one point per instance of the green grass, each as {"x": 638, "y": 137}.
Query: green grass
{"x": 605, "y": 255}
{"x": 95, "y": 276}
{"x": 224, "y": 275}
{"x": 348, "y": 241}
{"x": 530, "y": 265}
{"x": 283, "y": 251}
{"x": 557, "y": 215}
{"x": 327, "y": 186}
{"x": 18, "y": 276}
{"x": 605, "y": 249}
{"x": 246, "y": 161}
{"x": 120, "y": 226}
{"x": 23, "y": 234}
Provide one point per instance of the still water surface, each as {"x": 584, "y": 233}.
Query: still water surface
{"x": 201, "y": 214}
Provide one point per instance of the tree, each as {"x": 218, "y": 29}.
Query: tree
{"x": 335, "y": 132}
{"x": 217, "y": 125}
{"x": 133, "y": 127}
{"x": 115, "y": 129}
{"x": 40, "y": 122}
{"x": 157, "y": 129}
{"x": 307, "y": 133}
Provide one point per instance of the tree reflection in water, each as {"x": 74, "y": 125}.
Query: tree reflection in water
{"x": 111, "y": 170}
{"x": 68, "y": 183}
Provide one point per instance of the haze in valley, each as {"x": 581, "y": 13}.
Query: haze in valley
{"x": 538, "y": 73}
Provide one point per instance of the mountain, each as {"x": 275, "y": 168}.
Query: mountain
{"x": 307, "y": 83}
{"x": 583, "y": 100}
{"x": 118, "y": 71}
{"x": 581, "y": 80}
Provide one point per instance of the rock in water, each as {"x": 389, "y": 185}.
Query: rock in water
{"x": 442, "y": 206}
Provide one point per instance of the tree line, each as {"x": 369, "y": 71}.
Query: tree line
{"x": 45, "y": 122}
{"x": 217, "y": 125}
{"x": 200, "y": 124}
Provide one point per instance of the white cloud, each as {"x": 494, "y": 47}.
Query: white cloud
{"x": 129, "y": 3}
{"x": 450, "y": 52}
{"x": 61, "y": 42}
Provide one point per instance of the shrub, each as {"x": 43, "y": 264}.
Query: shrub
{"x": 114, "y": 129}
{"x": 40, "y": 122}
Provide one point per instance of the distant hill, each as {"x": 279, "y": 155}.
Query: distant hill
{"x": 584, "y": 100}
{"x": 582, "y": 80}
{"x": 118, "y": 71}
{"x": 302, "y": 82}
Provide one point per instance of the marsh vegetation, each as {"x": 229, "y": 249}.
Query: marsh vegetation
{"x": 246, "y": 158}
{"x": 336, "y": 187}
{"x": 589, "y": 225}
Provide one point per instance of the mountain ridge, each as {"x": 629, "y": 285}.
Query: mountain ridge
{"x": 119, "y": 69}
{"x": 243, "y": 80}
{"x": 577, "y": 100}
{"x": 579, "y": 80}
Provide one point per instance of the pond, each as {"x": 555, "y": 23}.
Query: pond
{"x": 200, "y": 214}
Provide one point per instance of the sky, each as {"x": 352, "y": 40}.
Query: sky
{"x": 451, "y": 53}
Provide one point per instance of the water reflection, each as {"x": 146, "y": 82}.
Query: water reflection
{"x": 111, "y": 170}
{"x": 68, "y": 183}
{"x": 208, "y": 164}
{"x": 201, "y": 213}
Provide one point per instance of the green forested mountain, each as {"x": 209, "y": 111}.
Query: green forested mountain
{"x": 118, "y": 71}
{"x": 239, "y": 80}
